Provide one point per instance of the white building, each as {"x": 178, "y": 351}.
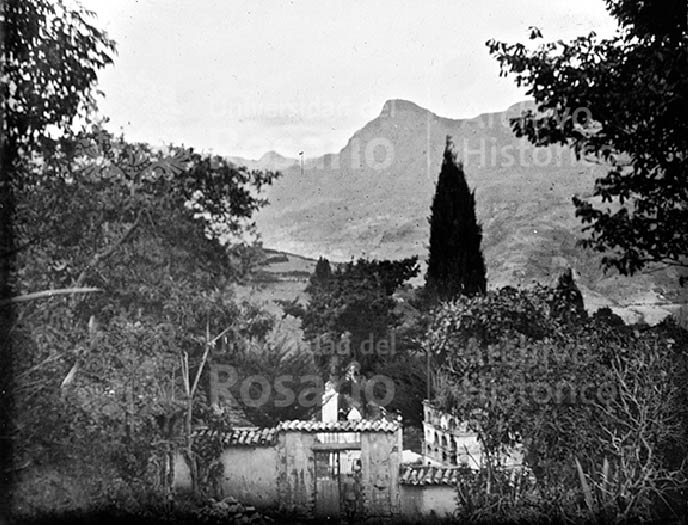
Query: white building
{"x": 448, "y": 442}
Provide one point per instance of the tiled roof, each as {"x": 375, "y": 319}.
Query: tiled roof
{"x": 268, "y": 436}
{"x": 433, "y": 475}
{"x": 265, "y": 437}
{"x": 363, "y": 425}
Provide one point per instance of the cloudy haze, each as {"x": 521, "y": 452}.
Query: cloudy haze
{"x": 244, "y": 77}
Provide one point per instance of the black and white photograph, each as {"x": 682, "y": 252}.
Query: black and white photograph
{"x": 324, "y": 261}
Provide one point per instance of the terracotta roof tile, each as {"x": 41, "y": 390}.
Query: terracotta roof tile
{"x": 265, "y": 437}
{"x": 268, "y": 436}
{"x": 363, "y": 425}
{"x": 433, "y": 475}
{"x": 438, "y": 476}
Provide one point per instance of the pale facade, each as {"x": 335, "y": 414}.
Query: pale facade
{"x": 449, "y": 442}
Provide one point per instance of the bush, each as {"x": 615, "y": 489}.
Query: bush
{"x": 608, "y": 439}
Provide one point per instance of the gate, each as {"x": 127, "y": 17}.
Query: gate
{"x": 337, "y": 482}
{"x": 327, "y": 483}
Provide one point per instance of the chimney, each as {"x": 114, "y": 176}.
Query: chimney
{"x": 329, "y": 404}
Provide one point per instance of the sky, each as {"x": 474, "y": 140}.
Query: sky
{"x": 237, "y": 77}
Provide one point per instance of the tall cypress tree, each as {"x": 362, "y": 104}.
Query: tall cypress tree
{"x": 455, "y": 264}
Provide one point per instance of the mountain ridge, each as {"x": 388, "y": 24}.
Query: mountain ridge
{"x": 372, "y": 199}
{"x": 390, "y": 108}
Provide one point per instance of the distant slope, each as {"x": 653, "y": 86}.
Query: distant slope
{"x": 373, "y": 198}
{"x": 279, "y": 277}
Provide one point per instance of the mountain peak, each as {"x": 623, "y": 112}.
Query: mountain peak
{"x": 272, "y": 154}
{"x": 397, "y": 105}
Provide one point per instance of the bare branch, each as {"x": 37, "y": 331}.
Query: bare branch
{"x": 47, "y": 294}
{"x": 99, "y": 257}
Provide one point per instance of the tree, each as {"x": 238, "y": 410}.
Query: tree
{"x": 577, "y": 391}
{"x": 285, "y": 364}
{"x": 350, "y": 306}
{"x": 352, "y": 315}
{"x": 358, "y": 313}
{"x": 322, "y": 270}
{"x": 50, "y": 56}
{"x": 455, "y": 263}
{"x": 567, "y": 303}
{"x": 620, "y": 102}
{"x": 147, "y": 233}
{"x": 101, "y": 386}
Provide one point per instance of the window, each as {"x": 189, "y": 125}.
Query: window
{"x": 326, "y": 465}
{"x": 350, "y": 461}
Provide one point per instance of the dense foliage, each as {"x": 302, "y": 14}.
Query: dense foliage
{"x": 352, "y": 315}
{"x": 51, "y": 53}
{"x": 455, "y": 262}
{"x": 623, "y": 100}
{"x": 351, "y": 307}
{"x": 101, "y": 385}
{"x": 120, "y": 369}
{"x": 50, "y": 56}
{"x": 598, "y": 408}
{"x": 279, "y": 377}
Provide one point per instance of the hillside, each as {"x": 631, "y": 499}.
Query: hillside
{"x": 372, "y": 199}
